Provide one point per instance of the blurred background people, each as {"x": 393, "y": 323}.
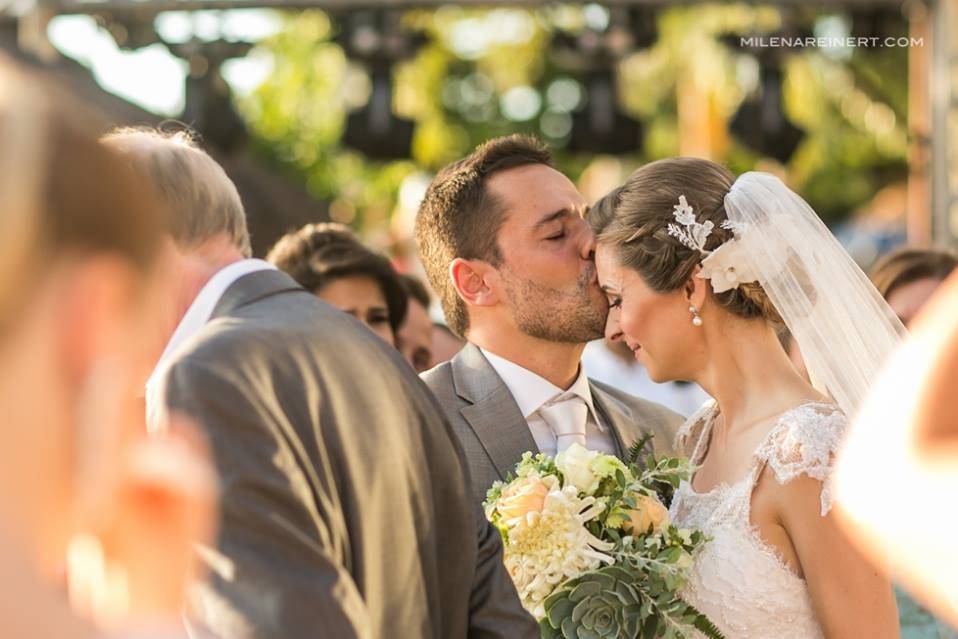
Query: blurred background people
{"x": 83, "y": 491}
{"x": 414, "y": 339}
{"x": 907, "y": 278}
{"x": 331, "y": 261}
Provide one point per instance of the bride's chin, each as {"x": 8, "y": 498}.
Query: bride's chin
{"x": 656, "y": 375}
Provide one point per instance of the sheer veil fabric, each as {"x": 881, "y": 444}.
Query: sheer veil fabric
{"x": 842, "y": 325}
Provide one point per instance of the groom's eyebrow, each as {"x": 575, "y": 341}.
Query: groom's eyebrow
{"x": 552, "y": 217}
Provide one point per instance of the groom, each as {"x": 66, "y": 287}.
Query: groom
{"x": 503, "y": 238}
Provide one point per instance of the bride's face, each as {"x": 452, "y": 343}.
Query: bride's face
{"x": 656, "y": 326}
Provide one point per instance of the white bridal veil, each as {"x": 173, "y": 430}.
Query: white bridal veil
{"x": 843, "y": 327}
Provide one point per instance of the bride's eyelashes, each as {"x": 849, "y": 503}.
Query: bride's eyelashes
{"x": 616, "y": 303}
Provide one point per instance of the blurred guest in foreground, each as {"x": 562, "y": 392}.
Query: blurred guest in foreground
{"x": 329, "y": 260}
{"x": 898, "y": 474}
{"x": 414, "y": 339}
{"x": 345, "y": 509}
{"x": 907, "y": 278}
{"x": 83, "y": 491}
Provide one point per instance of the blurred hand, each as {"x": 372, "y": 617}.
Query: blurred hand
{"x": 136, "y": 564}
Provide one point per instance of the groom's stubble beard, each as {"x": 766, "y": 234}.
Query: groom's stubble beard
{"x": 570, "y": 316}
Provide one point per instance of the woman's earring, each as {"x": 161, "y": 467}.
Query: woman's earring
{"x": 696, "y": 318}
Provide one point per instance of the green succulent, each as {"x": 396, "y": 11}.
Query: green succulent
{"x": 609, "y": 603}
{"x": 599, "y": 605}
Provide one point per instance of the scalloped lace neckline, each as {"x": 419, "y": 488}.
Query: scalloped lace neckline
{"x": 725, "y": 486}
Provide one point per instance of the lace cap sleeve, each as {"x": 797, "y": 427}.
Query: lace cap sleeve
{"x": 688, "y": 435}
{"x": 805, "y": 442}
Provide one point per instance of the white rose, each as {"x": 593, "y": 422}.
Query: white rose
{"x": 575, "y": 465}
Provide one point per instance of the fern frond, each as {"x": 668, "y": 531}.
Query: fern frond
{"x": 636, "y": 450}
{"x": 704, "y": 625}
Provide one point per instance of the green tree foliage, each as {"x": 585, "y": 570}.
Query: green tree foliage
{"x": 489, "y": 72}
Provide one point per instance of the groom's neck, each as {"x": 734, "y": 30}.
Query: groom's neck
{"x": 557, "y": 362}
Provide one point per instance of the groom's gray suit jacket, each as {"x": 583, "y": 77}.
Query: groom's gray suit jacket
{"x": 346, "y": 507}
{"x": 494, "y": 433}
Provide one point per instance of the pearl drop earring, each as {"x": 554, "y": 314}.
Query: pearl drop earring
{"x": 696, "y": 318}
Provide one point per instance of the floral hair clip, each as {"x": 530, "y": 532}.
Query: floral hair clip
{"x": 727, "y": 265}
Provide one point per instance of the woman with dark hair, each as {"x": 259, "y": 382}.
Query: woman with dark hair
{"x": 330, "y": 260}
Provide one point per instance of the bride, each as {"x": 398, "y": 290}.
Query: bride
{"x": 700, "y": 270}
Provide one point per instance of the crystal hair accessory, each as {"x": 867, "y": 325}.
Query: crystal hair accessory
{"x": 727, "y": 265}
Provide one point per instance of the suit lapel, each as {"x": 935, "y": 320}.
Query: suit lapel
{"x": 492, "y": 411}
{"x": 617, "y": 417}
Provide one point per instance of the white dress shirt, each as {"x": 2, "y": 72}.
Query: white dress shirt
{"x": 197, "y": 315}
{"x": 532, "y": 391}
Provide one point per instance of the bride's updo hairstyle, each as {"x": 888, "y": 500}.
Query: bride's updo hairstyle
{"x": 638, "y": 227}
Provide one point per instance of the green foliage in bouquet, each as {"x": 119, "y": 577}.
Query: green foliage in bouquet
{"x": 663, "y": 475}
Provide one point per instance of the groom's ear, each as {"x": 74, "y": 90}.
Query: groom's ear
{"x": 475, "y": 281}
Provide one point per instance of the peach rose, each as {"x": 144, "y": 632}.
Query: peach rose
{"x": 649, "y": 515}
{"x": 522, "y": 497}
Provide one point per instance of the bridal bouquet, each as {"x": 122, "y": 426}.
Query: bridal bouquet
{"x": 590, "y": 548}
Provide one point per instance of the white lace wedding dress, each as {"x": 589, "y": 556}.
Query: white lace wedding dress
{"x": 738, "y": 580}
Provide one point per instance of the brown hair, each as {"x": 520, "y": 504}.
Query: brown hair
{"x": 640, "y": 228}
{"x": 416, "y": 289}
{"x": 202, "y": 200}
{"x": 459, "y": 217}
{"x": 318, "y": 254}
{"x": 908, "y": 265}
{"x": 62, "y": 192}
{"x": 602, "y": 213}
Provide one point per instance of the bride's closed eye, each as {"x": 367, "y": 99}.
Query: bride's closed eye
{"x": 615, "y": 303}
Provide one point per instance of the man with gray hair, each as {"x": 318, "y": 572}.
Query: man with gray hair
{"x": 336, "y": 464}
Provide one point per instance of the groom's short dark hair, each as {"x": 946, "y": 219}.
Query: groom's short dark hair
{"x": 458, "y": 216}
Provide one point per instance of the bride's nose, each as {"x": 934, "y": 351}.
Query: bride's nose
{"x": 613, "y": 332}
